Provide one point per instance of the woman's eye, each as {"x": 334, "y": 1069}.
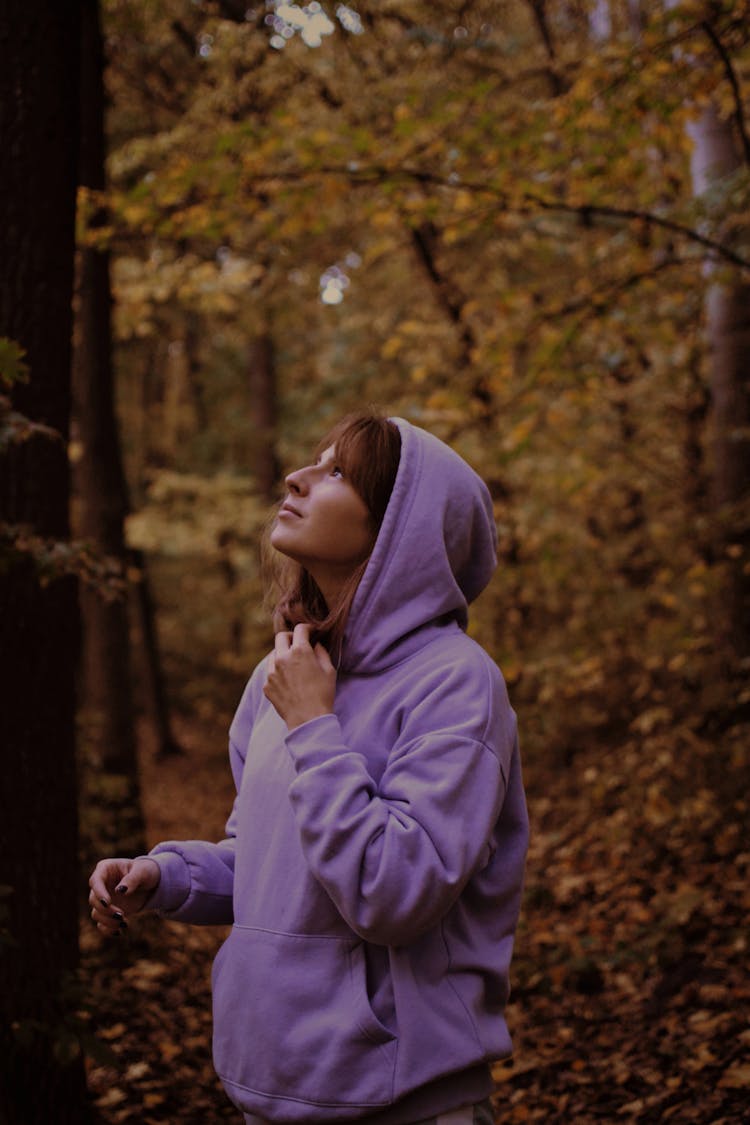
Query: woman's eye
{"x": 337, "y": 469}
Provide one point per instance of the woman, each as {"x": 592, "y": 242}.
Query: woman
{"x": 374, "y": 857}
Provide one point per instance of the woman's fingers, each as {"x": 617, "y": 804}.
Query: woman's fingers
{"x": 106, "y": 876}
{"x": 301, "y": 635}
{"x": 300, "y": 638}
{"x": 323, "y": 658}
{"x": 107, "y": 918}
{"x": 286, "y": 643}
{"x": 108, "y": 922}
{"x": 119, "y": 887}
{"x": 143, "y": 875}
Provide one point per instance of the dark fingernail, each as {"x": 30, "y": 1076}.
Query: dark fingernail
{"x": 116, "y": 914}
{"x": 121, "y": 890}
{"x": 123, "y": 925}
{"x": 103, "y": 901}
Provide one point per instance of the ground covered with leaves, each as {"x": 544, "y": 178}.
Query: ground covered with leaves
{"x": 631, "y": 990}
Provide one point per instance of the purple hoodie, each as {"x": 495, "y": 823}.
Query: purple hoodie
{"x": 374, "y": 857}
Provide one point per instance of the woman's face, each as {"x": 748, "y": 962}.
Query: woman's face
{"x": 324, "y": 524}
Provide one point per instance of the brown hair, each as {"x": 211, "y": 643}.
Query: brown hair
{"x": 368, "y": 448}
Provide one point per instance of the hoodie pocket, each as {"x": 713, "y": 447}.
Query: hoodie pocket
{"x": 292, "y": 1019}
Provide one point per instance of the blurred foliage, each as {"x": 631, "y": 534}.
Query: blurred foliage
{"x": 201, "y": 533}
{"x": 53, "y": 559}
{"x": 481, "y": 218}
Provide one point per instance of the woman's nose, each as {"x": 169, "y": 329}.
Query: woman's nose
{"x": 295, "y": 481}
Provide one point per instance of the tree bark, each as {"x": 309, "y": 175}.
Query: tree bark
{"x": 114, "y": 819}
{"x": 715, "y": 155}
{"x": 152, "y": 674}
{"x": 635, "y": 18}
{"x": 193, "y": 372}
{"x": 263, "y": 408}
{"x": 177, "y": 405}
{"x": 600, "y": 21}
{"x": 39, "y": 1083}
{"x": 696, "y": 412}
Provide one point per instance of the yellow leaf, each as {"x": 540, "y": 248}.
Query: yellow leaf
{"x": 391, "y": 347}
{"x": 382, "y": 219}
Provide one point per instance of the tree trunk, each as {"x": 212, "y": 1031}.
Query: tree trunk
{"x": 715, "y": 155}
{"x": 262, "y": 380}
{"x": 696, "y": 411}
{"x": 635, "y": 18}
{"x": 600, "y": 21}
{"x": 113, "y": 819}
{"x": 41, "y": 1071}
{"x": 152, "y": 675}
{"x": 192, "y": 368}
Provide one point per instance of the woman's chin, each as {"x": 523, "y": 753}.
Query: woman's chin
{"x": 280, "y": 542}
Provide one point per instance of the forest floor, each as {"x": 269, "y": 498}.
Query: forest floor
{"x": 630, "y": 986}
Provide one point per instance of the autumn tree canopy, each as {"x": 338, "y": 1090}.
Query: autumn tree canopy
{"x": 483, "y": 218}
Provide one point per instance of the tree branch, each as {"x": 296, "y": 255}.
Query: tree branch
{"x": 539, "y": 12}
{"x": 424, "y": 239}
{"x": 598, "y": 302}
{"x": 739, "y": 112}
{"x": 375, "y": 174}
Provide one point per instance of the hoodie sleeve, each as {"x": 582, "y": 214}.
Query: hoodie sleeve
{"x": 395, "y": 855}
{"x": 197, "y": 877}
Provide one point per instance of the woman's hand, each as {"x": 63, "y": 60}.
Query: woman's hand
{"x": 120, "y": 887}
{"x": 301, "y": 680}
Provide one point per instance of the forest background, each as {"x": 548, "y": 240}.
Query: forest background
{"x": 522, "y": 225}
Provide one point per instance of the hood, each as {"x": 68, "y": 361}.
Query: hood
{"x": 434, "y": 554}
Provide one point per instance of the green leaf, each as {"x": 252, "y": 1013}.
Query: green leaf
{"x": 12, "y": 366}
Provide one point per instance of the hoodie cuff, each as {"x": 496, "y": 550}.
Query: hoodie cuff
{"x": 174, "y": 884}
{"x": 315, "y": 741}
